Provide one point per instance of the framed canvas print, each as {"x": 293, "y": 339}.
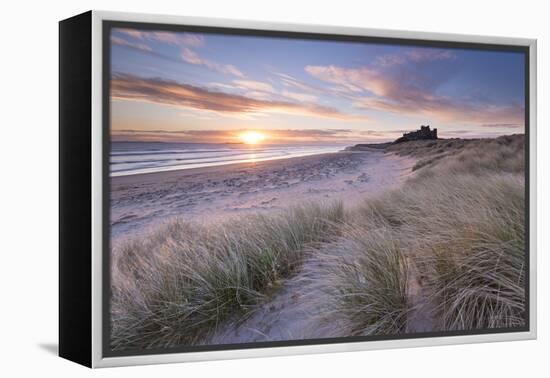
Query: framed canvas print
{"x": 235, "y": 189}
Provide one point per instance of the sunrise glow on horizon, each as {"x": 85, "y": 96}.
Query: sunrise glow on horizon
{"x": 214, "y": 88}
{"x": 252, "y": 137}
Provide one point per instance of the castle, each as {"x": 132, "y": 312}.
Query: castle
{"x": 423, "y": 133}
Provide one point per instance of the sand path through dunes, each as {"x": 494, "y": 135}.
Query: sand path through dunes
{"x": 287, "y": 314}
{"x": 141, "y": 202}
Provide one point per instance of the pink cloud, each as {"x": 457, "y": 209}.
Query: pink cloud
{"x": 154, "y": 90}
{"x": 396, "y": 84}
{"x": 192, "y": 57}
{"x": 354, "y": 80}
{"x": 302, "y": 97}
{"x": 258, "y": 86}
{"x": 275, "y": 135}
{"x": 290, "y": 81}
{"x": 446, "y": 110}
{"x": 123, "y": 42}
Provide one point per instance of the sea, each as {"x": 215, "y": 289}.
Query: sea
{"x": 131, "y": 158}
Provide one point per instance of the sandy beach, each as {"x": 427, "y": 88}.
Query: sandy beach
{"x": 139, "y": 202}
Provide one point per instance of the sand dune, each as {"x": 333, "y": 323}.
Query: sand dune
{"x": 350, "y": 244}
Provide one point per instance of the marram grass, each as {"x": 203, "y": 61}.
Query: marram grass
{"x": 179, "y": 284}
{"x": 459, "y": 224}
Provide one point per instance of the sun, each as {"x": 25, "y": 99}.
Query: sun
{"x": 252, "y": 137}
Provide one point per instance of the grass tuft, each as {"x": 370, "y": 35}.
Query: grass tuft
{"x": 361, "y": 281}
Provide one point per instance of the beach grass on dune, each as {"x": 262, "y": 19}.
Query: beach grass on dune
{"x": 466, "y": 236}
{"x": 361, "y": 282}
{"x": 180, "y": 283}
{"x": 459, "y": 222}
{"x": 463, "y": 218}
{"x": 502, "y": 154}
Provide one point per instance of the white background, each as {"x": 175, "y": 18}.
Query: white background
{"x": 28, "y": 207}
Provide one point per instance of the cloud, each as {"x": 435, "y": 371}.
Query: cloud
{"x": 290, "y": 81}
{"x": 160, "y": 91}
{"x": 445, "y": 109}
{"x": 193, "y": 40}
{"x": 390, "y": 60}
{"x": 137, "y": 46}
{"x": 312, "y": 133}
{"x": 221, "y": 86}
{"x": 354, "y": 80}
{"x": 131, "y": 32}
{"x": 429, "y": 55}
{"x": 309, "y": 92}
{"x": 260, "y": 89}
{"x": 217, "y": 136}
{"x": 388, "y": 134}
{"x": 192, "y": 57}
{"x": 415, "y": 55}
{"x": 503, "y": 125}
{"x": 254, "y": 85}
{"x": 180, "y": 39}
{"x": 263, "y": 90}
{"x": 407, "y": 84}
{"x": 302, "y": 97}
{"x": 344, "y": 136}
{"x": 258, "y": 95}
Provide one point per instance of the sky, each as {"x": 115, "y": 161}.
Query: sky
{"x": 202, "y": 87}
